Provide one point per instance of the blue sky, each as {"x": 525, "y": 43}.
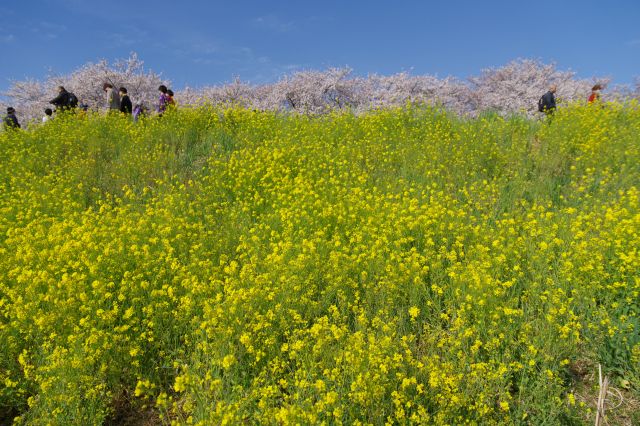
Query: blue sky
{"x": 199, "y": 43}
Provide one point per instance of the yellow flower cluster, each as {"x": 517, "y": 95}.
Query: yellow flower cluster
{"x": 235, "y": 266}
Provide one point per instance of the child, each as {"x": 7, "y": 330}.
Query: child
{"x": 48, "y": 115}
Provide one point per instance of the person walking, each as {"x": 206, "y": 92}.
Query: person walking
{"x": 163, "y": 101}
{"x": 595, "y": 94}
{"x": 48, "y": 115}
{"x": 125, "y": 102}
{"x": 10, "y": 120}
{"x": 113, "y": 99}
{"x": 64, "y": 99}
{"x": 547, "y": 102}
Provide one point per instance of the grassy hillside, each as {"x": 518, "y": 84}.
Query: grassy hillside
{"x": 229, "y": 266}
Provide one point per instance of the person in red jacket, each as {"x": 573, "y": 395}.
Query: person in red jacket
{"x": 595, "y": 93}
{"x": 170, "y": 95}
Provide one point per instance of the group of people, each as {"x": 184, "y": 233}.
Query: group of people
{"x": 116, "y": 101}
{"x": 166, "y": 99}
{"x": 547, "y": 102}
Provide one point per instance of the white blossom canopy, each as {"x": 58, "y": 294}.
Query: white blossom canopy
{"x": 512, "y": 88}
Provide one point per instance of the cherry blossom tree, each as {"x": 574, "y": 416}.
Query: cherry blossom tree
{"x": 398, "y": 89}
{"x": 29, "y": 98}
{"x": 517, "y": 86}
{"x": 512, "y": 88}
{"x": 636, "y": 90}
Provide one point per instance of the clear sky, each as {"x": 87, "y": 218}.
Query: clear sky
{"x": 200, "y": 43}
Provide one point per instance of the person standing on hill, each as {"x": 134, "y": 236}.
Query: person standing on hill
{"x": 595, "y": 94}
{"x": 547, "y": 102}
{"x": 163, "y": 101}
{"x": 125, "y": 103}
{"x": 64, "y": 100}
{"x": 113, "y": 99}
{"x": 170, "y": 96}
{"x": 10, "y": 120}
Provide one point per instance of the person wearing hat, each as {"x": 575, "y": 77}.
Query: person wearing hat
{"x": 11, "y": 121}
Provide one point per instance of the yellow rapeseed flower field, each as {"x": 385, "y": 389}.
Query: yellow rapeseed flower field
{"x": 407, "y": 266}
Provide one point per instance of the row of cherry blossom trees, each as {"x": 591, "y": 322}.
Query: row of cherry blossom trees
{"x": 512, "y": 88}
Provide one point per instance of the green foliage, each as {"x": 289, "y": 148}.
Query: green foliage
{"x": 405, "y": 266}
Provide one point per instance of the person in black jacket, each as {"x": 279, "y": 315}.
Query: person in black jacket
{"x": 125, "y": 102}
{"x": 11, "y": 121}
{"x": 549, "y": 100}
{"x": 64, "y": 100}
{"x": 61, "y": 101}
